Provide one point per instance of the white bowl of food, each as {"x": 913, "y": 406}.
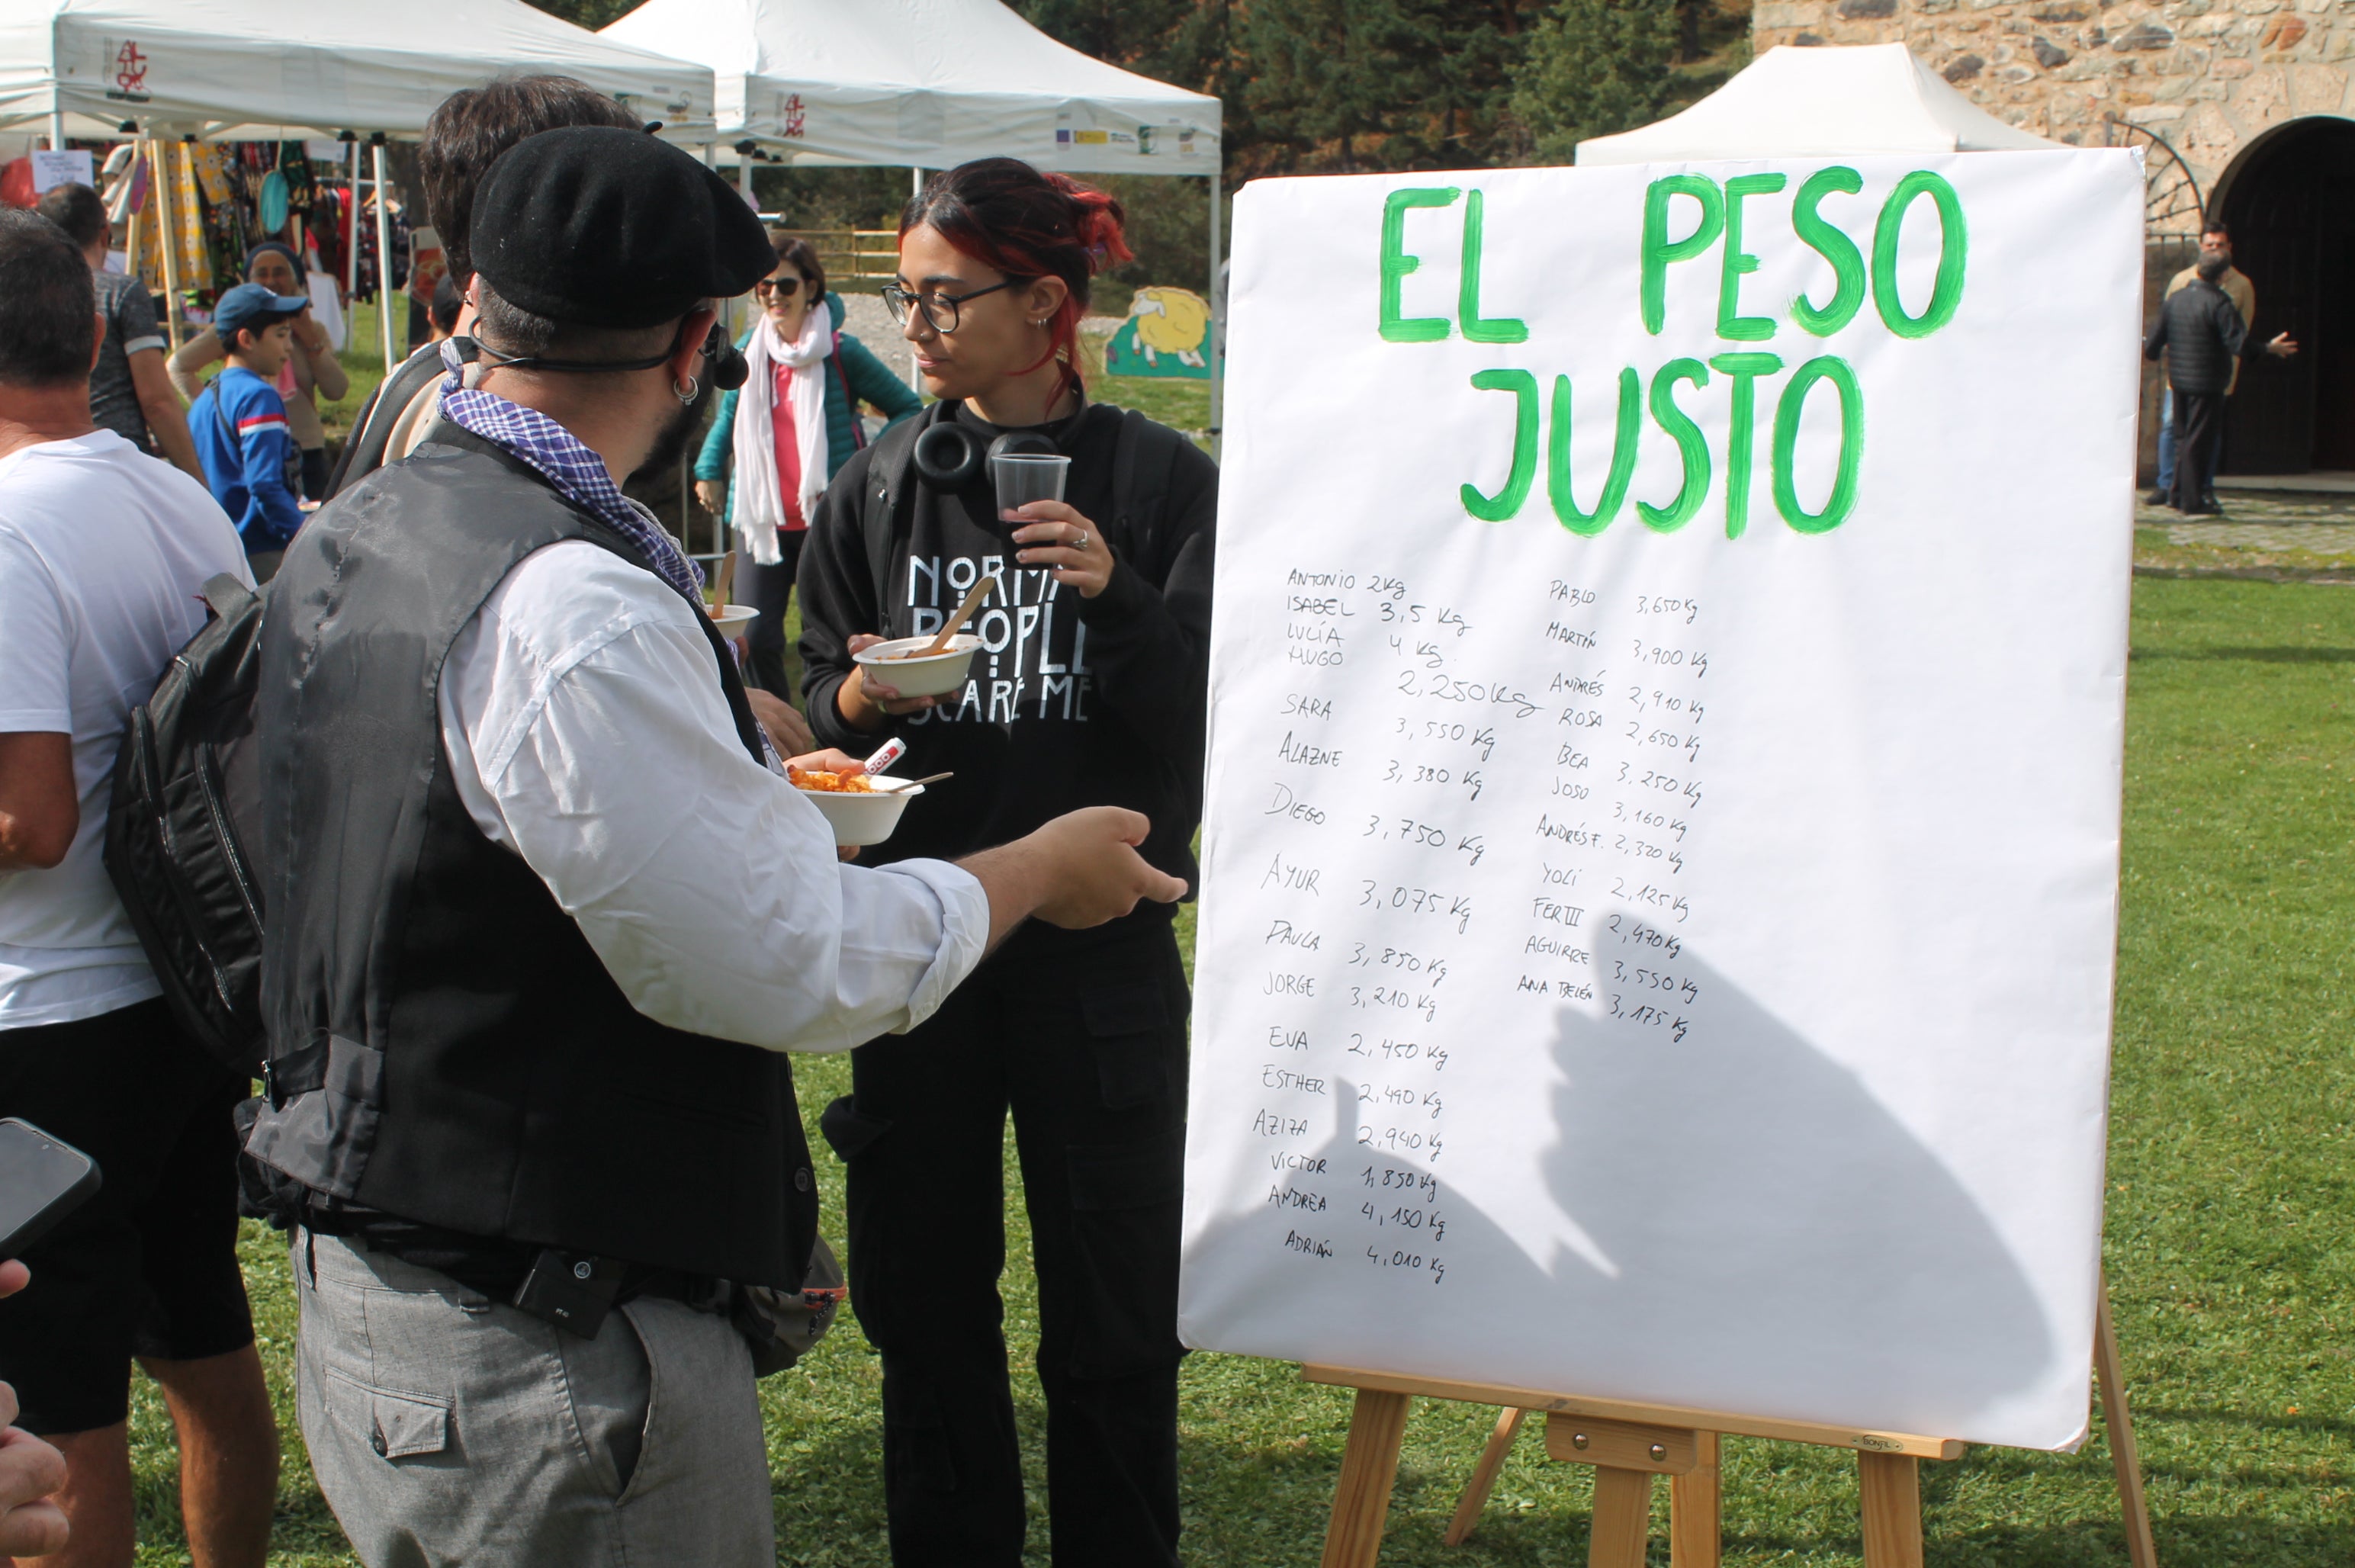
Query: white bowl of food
{"x": 732, "y": 621}
{"x": 862, "y": 808}
{"x": 894, "y": 664}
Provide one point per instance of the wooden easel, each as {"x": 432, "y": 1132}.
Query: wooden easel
{"x": 1629, "y": 1444}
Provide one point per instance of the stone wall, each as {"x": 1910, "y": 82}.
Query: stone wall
{"x": 2208, "y": 76}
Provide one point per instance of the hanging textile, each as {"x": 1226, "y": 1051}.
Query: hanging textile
{"x": 192, "y": 168}
{"x": 327, "y": 223}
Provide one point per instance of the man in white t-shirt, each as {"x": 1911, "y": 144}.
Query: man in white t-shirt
{"x": 102, "y": 552}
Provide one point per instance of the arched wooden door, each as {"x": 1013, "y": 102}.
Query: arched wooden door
{"x": 2291, "y": 208}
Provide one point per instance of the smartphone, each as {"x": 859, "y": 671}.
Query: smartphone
{"x": 42, "y": 1180}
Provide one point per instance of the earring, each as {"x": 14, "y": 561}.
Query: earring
{"x": 686, "y": 395}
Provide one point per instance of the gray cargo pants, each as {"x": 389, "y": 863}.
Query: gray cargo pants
{"x": 445, "y": 1428}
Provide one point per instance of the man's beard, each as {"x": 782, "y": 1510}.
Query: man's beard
{"x": 671, "y": 444}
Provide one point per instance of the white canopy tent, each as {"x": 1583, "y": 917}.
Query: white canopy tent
{"x": 1824, "y": 101}
{"x": 273, "y": 70}
{"x": 924, "y": 83}
{"x": 929, "y": 84}
{"x": 257, "y": 69}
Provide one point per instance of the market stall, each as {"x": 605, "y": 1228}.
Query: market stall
{"x": 268, "y": 74}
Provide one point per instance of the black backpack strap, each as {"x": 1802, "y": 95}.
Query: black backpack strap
{"x": 221, "y": 414}
{"x": 224, "y": 596}
{"x": 887, "y": 504}
{"x": 1140, "y": 459}
{"x": 842, "y": 373}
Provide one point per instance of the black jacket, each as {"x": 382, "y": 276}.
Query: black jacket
{"x": 1073, "y": 701}
{"x": 2202, "y": 335}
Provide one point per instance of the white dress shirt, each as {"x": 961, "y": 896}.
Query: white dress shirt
{"x": 586, "y": 732}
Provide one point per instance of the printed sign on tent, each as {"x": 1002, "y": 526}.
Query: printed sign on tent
{"x": 1661, "y": 847}
{"x": 72, "y": 167}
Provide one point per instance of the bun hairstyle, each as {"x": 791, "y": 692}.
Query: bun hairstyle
{"x": 1028, "y": 224}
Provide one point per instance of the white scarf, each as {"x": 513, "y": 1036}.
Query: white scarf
{"x": 759, "y": 511}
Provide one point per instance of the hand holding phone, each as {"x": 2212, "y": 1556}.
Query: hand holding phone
{"x": 42, "y": 1180}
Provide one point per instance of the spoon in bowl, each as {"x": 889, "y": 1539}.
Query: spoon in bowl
{"x": 940, "y": 643}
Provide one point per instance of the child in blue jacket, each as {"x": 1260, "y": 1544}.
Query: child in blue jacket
{"x": 252, "y": 464}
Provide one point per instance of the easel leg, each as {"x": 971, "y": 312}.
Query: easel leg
{"x": 1695, "y": 1527}
{"x": 1369, "y": 1469}
{"x": 1483, "y": 1475}
{"x": 1891, "y": 1485}
{"x": 2142, "y": 1549}
{"x": 1623, "y": 1518}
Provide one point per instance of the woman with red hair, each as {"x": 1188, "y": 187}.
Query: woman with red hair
{"x": 1090, "y": 689}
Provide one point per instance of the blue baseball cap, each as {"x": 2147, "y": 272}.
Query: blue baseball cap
{"x": 250, "y": 305}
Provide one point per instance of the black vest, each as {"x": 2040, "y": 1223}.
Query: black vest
{"x": 444, "y": 1045}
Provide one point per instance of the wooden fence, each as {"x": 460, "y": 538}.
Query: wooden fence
{"x": 855, "y": 258}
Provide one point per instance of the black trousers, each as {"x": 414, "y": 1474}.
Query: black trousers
{"x": 769, "y": 590}
{"x": 148, "y": 1266}
{"x": 1084, "y": 1040}
{"x": 2198, "y": 424}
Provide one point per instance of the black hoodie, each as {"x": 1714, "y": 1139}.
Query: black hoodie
{"x": 1070, "y": 702}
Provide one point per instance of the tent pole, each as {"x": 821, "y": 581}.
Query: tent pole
{"x": 352, "y": 236}
{"x": 159, "y": 191}
{"x": 57, "y": 127}
{"x": 915, "y": 189}
{"x": 1218, "y": 320}
{"x": 383, "y": 263}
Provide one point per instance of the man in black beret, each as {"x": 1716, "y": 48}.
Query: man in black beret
{"x": 547, "y": 919}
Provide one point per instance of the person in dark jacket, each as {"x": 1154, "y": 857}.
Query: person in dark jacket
{"x": 1089, "y": 689}
{"x": 464, "y": 137}
{"x": 2202, "y": 335}
{"x": 788, "y": 432}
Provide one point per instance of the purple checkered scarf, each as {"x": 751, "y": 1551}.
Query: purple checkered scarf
{"x": 578, "y": 475}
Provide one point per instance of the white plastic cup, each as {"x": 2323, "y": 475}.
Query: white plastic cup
{"x": 1026, "y": 476}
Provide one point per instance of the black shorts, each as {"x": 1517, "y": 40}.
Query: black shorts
{"x": 147, "y": 1268}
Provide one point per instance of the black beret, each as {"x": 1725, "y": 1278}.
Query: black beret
{"x": 594, "y": 226}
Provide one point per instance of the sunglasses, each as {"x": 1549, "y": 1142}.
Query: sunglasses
{"x": 785, "y": 287}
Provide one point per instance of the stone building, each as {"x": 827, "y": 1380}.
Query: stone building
{"x": 2243, "y": 108}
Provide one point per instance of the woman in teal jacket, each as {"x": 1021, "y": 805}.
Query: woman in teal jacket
{"x": 787, "y": 431}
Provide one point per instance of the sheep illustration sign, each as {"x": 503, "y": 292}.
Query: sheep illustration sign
{"x": 1168, "y": 333}
{"x": 1661, "y": 839}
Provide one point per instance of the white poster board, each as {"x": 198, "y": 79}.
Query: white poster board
{"x": 1656, "y": 934}
{"x": 72, "y": 167}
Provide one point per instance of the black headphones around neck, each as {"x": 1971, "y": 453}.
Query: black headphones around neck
{"x": 948, "y": 456}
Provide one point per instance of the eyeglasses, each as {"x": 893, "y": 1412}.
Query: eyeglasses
{"x": 788, "y": 287}
{"x": 940, "y": 309}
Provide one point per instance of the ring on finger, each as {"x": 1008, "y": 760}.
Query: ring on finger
{"x": 1081, "y": 543}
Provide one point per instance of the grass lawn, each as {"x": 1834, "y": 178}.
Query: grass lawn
{"x": 2230, "y": 1270}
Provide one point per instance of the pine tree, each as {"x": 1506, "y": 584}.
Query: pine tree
{"x": 1344, "y": 85}
{"x": 1594, "y": 68}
